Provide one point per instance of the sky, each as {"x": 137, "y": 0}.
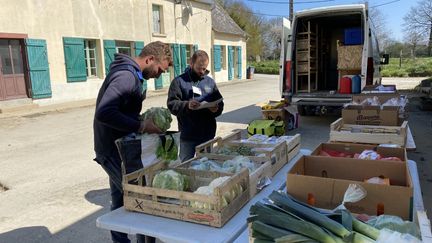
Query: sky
{"x": 392, "y": 10}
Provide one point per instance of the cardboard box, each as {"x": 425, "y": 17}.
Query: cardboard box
{"x": 328, "y": 178}
{"x": 371, "y": 115}
{"x": 353, "y": 148}
{"x": 382, "y": 97}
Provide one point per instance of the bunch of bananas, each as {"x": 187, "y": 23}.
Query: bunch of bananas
{"x": 273, "y": 105}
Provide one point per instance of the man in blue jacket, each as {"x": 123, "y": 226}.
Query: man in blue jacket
{"x": 185, "y": 95}
{"x": 118, "y": 107}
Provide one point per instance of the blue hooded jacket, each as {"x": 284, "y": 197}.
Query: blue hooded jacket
{"x": 118, "y": 105}
{"x": 194, "y": 125}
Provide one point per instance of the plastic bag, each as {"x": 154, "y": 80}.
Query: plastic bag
{"x": 354, "y": 193}
{"x": 394, "y": 223}
{"x": 257, "y": 138}
{"x": 387, "y": 236}
{"x": 154, "y": 149}
{"x": 371, "y": 101}
{"x": 369, "y": 155}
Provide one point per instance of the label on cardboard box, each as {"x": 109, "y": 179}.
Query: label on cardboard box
{"x": 371, "y": 115}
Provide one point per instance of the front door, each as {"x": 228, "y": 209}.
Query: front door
{"x": 12, "y": 81}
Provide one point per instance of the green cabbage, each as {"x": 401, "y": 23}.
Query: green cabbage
{"x": 168, "y": 152}
{"x": 171, "y": 180}
{"x": 161, "y": 117}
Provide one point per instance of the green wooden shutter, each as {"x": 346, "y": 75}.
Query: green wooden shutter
{"x": 158, "y": 82}
{"x": 109, "y": 51}
{"x": 139, "y": 45}
{"x": 217, "y": 57}
{"x": 195, "y": 48}
{"x": 230, "y": 63}
{"x": 38, "y": 68}
{"x": 239, "y": 61}
{"x": 183, "y": 57}
{"x": 74, "y": 59}
{"x": 176, "y": 60}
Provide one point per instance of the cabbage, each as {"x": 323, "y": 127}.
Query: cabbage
{"x": 168, "y": 152}
{"x": 236, "y": 164}
{"x": 170, "y": 179}
{"x": 161, "y": 117}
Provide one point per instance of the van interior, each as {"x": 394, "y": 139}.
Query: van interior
{"x": 316, "y": 50}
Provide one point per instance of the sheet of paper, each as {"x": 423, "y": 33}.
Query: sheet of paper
{"x": 205, "y": 104}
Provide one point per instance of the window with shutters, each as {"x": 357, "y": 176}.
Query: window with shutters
{"x": 189, "y": 53}
{"x": 223, "y": 57}
{"x": 91, "y": 58}
{"x": 124, "y": 47}
{"x": 157, "y": 19}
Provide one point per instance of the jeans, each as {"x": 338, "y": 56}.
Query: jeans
{"x": 112, "y": 166}
{"x": 187, "y": 149}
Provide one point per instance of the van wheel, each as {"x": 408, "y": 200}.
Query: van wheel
{"x": 301, "y": 110}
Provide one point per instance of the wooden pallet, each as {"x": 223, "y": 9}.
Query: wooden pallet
{"x": 176, "y": 204}
{"x": 341, "y": 132}
{"x": 278, "y": 154}
{"x": 262, "y": 164}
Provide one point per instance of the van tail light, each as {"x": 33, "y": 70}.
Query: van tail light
{"x": 288, "y": 76}
{"x": 369, "y": 71}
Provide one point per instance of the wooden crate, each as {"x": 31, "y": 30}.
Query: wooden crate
{"x": 275, "y": 114}
{"x": 302, "y": 67}
{"x": 302, "y": 44}
{"x": 341, "y": 132}
{"x": 176, "y": 204}
{"x": 278, "y": 154}
{"x": 262, "y": 164}
{"x": 302, "y": 56}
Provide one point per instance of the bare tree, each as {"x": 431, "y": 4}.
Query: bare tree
{"x": 419, "y": 18}
{"x": 382, "y": 32}
{"x": 249, "y": 22}
{"x": 413, "y": 39}
{"x": 271, "y": 35}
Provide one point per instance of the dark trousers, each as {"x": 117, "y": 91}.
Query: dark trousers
{"x": 112, "y": 167}
{"x": 187, "y": 148}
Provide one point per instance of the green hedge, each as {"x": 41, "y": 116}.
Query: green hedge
{"x": 419, "y": 67}
{"x": 266, "y": 67}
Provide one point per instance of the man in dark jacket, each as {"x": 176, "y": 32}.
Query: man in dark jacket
{"x": 118, "y": 106}
{"x": 185, "y": 95}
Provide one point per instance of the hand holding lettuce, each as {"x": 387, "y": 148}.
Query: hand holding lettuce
{"x": 161, "y": 117}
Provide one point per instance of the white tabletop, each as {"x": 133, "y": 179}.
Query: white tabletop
{"x": 175, "y": 231}
{"x": 235, "y": 230}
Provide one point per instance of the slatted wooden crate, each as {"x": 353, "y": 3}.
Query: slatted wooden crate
{"x": 279, "y": 154}
{"x": 262, "y": 164}
{"x": 177, "y": 204}
{"x": 341, "y": 132}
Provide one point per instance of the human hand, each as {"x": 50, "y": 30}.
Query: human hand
{"x": 213, "y": 109}
{"x": 193, "y": 104}
{"x": 148, "y": 126}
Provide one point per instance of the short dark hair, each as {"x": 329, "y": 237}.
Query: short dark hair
{"x": 199, "y": 53}
{"x": 161, "y": 51}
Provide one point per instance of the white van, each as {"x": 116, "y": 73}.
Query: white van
{"x": 322, "y": 46}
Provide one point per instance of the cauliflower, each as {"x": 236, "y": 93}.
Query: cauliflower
{"x": 170, "y": 179}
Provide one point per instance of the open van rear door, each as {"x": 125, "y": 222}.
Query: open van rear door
{"x": 285, "y": 68}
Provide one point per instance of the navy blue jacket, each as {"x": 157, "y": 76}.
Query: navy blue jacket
{"x": 194, "y": 125}
{"x": 118, "y": 105}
